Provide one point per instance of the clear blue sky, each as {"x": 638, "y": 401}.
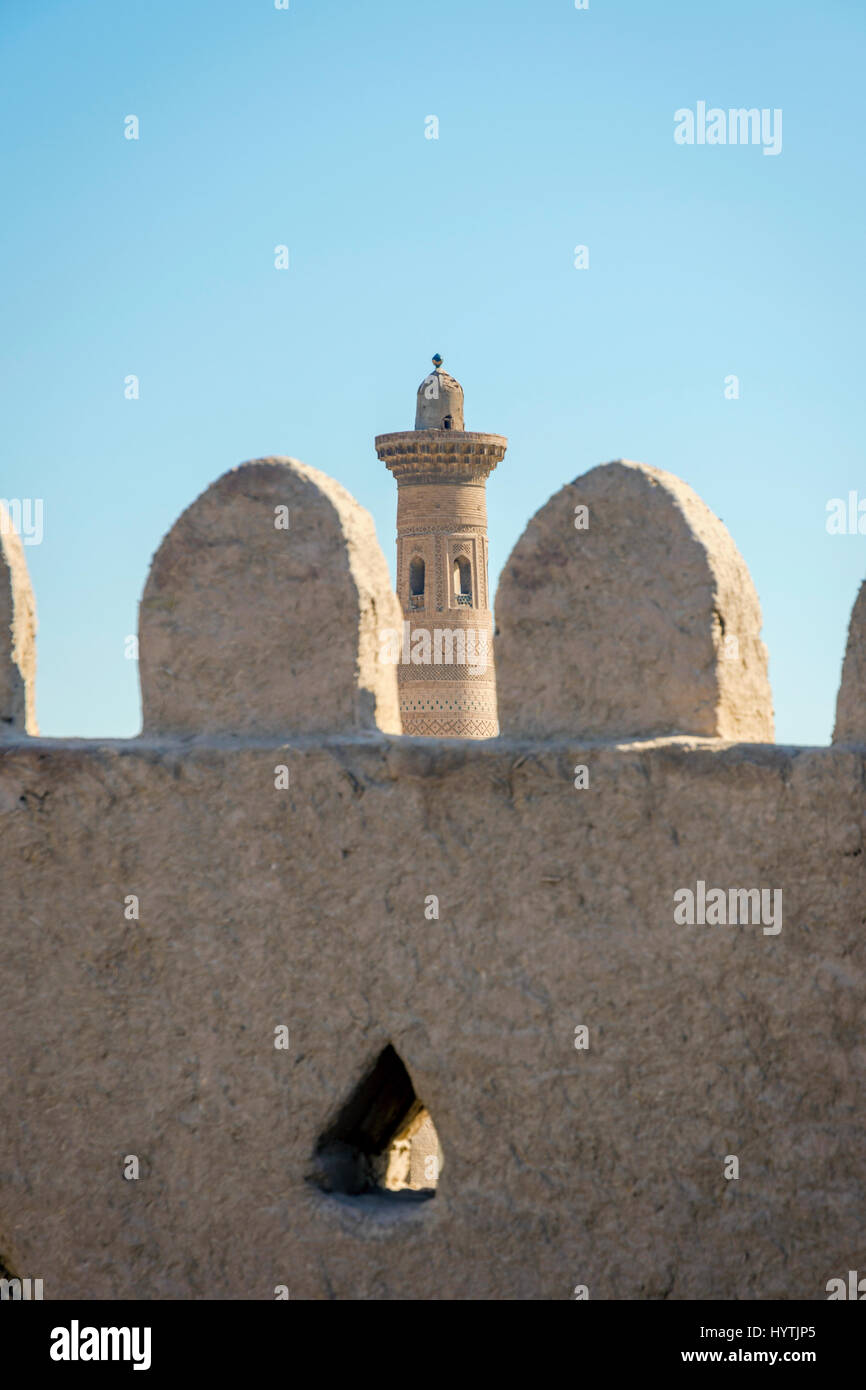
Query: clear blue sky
{"x": 305, "y": 127}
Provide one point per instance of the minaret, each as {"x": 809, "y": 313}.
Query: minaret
{"x": 446, "y": 676}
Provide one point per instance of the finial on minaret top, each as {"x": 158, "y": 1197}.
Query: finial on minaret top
{"x": 440, "y": 400}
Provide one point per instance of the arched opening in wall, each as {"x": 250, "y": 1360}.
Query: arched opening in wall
{"x": 448, "y": 422}
{"x": 383, "y": 1141}
{"x": 416, "y": 577}
{"x": 462, "y": 579}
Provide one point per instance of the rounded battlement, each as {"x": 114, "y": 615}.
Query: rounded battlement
{"x": 626, "y": 611}
{"x": 17, "y": 635}
{"x": 263, "y": 609}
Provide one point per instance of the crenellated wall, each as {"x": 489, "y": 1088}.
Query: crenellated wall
{"x": 283, "y": 843}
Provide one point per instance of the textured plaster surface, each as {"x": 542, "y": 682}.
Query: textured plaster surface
{"x": 252, "y": 628}
{"x": 851, "y": 704}
{"x": 306, "y": 908}
{"x": 17, "y": 635}
{"x": 644, "y": 623}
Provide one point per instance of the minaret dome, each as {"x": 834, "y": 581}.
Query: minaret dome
{"x": 440, "y": 401}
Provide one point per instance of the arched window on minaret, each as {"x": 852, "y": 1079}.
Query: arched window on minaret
{"x": 416, "y": 581}
{"x": 448, "y": 422}
{"x": 462, "y": 580}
